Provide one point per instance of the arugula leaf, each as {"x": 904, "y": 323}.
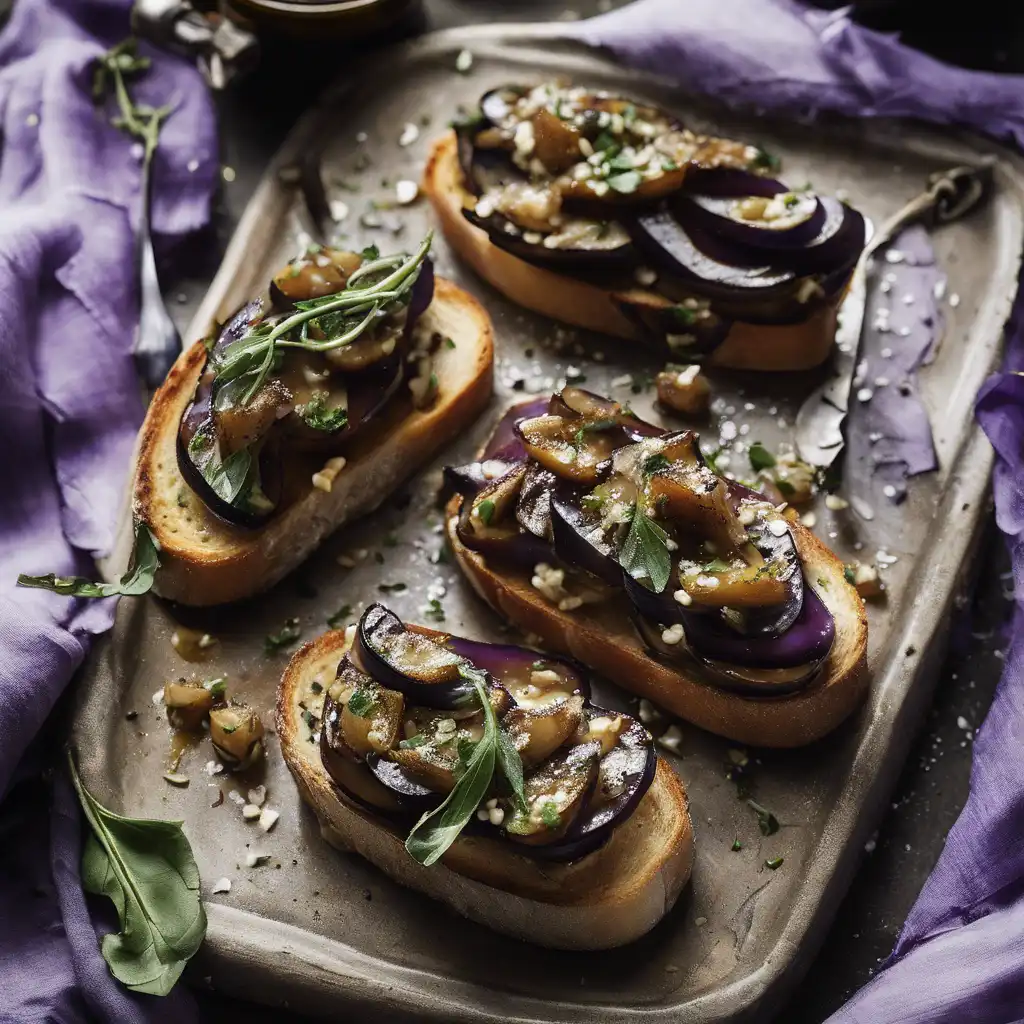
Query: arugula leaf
{"x": 760, "y": 457}
{"x": 137, "y": 579}
{"x": 315, "y": 414}
{"x": 146, "y": 868}
{"x": 627, "y": 181}
{"x": 439, "y": 828}
{"x": 645, "y": 554}
{"x": 289, "y": 633}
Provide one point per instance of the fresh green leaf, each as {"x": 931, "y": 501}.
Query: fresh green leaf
{"x": 288, "y": 634}
{"x": 774, "y": 863}
{"x": 439, "y": 828}
{"x": 736, "y": 846}
{"x": 645, "y": 554}
{"x": 362, "y": 702}
{"x": 485, "y": 511}
{"x": 760, "y": 457}
{"x": 137, "y": 579}
{"x": 340, "y": 617}
{"x": 786, "y": 489}
{"x": 549, "y": 814}
{"x": 511, "y": 766}
{"x": 766, "y": 821}
{"x": 449, "y": 343}
{"x": 371, "y": 252}
{"x": 146, "y": 869}
{"x": 317, "y": 415}
{"x": 218, "y": 687}
{"x": 626, "y": 182}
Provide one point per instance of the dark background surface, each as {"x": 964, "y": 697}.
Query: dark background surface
{"x": 257, "y": 114}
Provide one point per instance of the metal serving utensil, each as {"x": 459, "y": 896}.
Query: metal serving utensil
{"x": 819, "y": 423}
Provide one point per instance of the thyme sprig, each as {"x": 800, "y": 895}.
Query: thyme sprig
{"x": 255, "y": 352}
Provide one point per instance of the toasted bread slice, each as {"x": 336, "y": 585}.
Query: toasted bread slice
{"x": 602, "y": 636}
{"x": 605, "y": 899}
{"x": 205, "y": 561}
{"x": 798, "y": 346}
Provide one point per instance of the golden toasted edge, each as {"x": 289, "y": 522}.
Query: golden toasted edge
{"x": 237, "y": 563}
{"x": 747, "y": 346}
{"x": 606, "y": 899}
{"x": 595, "y": 635}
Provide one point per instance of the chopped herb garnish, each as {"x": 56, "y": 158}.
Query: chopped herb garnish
{"x": 391, "y": 588}
{"x": 823, "y": 582}
{"x": 760, "y": 457}
{"x": 412, "y": 742}
{"x": 716, "y": 565}
{"x": 449, "y": 343}
{"x": 711, "y": 459}
{"x": 654, "y": 464}
{"x": 644, "y": 553}
{"x": 592, "y": 502}
{"x": 316, "y": 688}
{"x": 370, "y": 253}
{"x": 736, "y": 846}
{"x": 592, "y": 428}
{"x": 766, "y": 821}
{"x": 434, "y": 611}
{"x": 288, "y": 634}
{"x": 681, "y": 316}
{"x": 315, "y": 413}
{"x": 765, "y": 161}
{"x": 549, "y": 814}
{"x": 849, "y": 575}
{"x": 340, "y": 617}
{"x": 605, "y": 142}
{"x": 773, "y": 863}
{"x": 485, "y": 511}
{"x": 786, "y": 489}
{"x": 311, "y": 720}
{"x": 217, "y": 687}
{"x": 362, "y": 702}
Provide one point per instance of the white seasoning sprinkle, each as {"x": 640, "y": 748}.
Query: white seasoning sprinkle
{"x": 339, "y": 211}
{"x": 406, "y": 192}
{"x": 192, "y": 166}
{"x": 645, "y": 276}
{"x": 228, "y": 174}
{"x": 864, "y": 395}
{"x": 777, "y": 527}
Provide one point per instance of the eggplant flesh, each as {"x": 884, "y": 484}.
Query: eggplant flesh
{"x": 537, "y": 733}
{"x": 533, "y": 509}
{"x": 375, "y": 729}
{"x": 571, "y": 449}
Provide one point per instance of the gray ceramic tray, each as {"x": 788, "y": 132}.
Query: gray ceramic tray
{"x": 326, "y": 932}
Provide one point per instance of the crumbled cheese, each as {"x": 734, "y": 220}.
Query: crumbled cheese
{"x": 483, "y": 815}
{"x": 834, "y": 503}
{"x": 406, "y": 192}
{"x": 683, "y": 598}
{"x": 954, "y": 299}
{"x": 350, "y": 634}
{"x": 492, "y": 468}
{"x": 524, "y": 139}
{"x": 221, "y": 885}
{"x": 250, "y": 812}
{"x": 496, "y": 815}
{"x": 645, "y": 276}
{"x": 268, "y": 818}
{"x": 258, "y": 796}
{"x": 777, "y": 527}
{"x": 339, "y": 211}
{"x": 671, "y": 738}
{"x": 809, "y": 519}
{"x": 158, "y": 697}
{"x": 866, "y": 580}
{"x": 253, "y": 859}
{"x": 549, "y": 581}
{"x": 410, "y": 133}
{"x": 710, "y": 582}
{"x": 324, "y": 479}
{"x": 569, "y": 604}
{"x": 214, "y": 767}
{"x": 485, "y": 206}
{"x": 673, "y": 635}
{"x": 687, "y": 375}
{"x": 236, "y": 798}
{"x": 624, "y": 381}
{"x": 649, "y": 713}
{"x": 464, "y": 61}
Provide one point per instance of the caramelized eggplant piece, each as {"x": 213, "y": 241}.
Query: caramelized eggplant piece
{"x": 538, "y": 732}
{"x": 749, "y": 586}
{"x": 237, "y": 735}
{"x": 319, "y": 271}
{"x": 349, "y": 771}
{"x": 411, "y": 795}
{"x": 239, "y": 426}
{"x": 556, "y": 143}
{"x": 556, "y": 793}
{"x": 430, "y": 764}
{"x": 372, "y": 718}
{"x": 426, "y": 672}
{"x": 369, "y": 351}
{"x": 574, "y": 450}
{"x": 188, "y": 702}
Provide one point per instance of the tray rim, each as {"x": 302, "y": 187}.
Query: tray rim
{"x": 255, "y": 950}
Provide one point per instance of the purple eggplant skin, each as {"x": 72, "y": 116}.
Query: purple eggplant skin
{"x": 378, "y": 629}
{"x": 656, "y": 321}
{"x": 533, "y": 510}
{"x": 508, "y": 664}
{"x": 712, "y": 214}
{"x": 504, "y": 439}
{"x": 422, "y": 293}
{"x": 568, "y": 525}
{"x": 414, "y": 798}
{"x": 506, "y": 235}
{"x": 729, "y": 183}
{"x": 633, "y": 765}
{"x": 774, "y": 620}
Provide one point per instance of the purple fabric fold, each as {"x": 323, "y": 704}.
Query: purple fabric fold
{"x": 960, "y": 956}
{"x": 70, "y": 406}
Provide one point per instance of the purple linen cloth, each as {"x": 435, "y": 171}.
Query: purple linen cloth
{"x": 69, "y": 410}
{"x": 960, "y": 956}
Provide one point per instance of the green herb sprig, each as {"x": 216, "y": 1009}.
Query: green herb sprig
{"x": 253, "y": 355}
{"x": 495, "y": 751}
{"x": 137, "y": 579}
{"x": 147, "y": 870}
{"x": 288, "y": 634}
